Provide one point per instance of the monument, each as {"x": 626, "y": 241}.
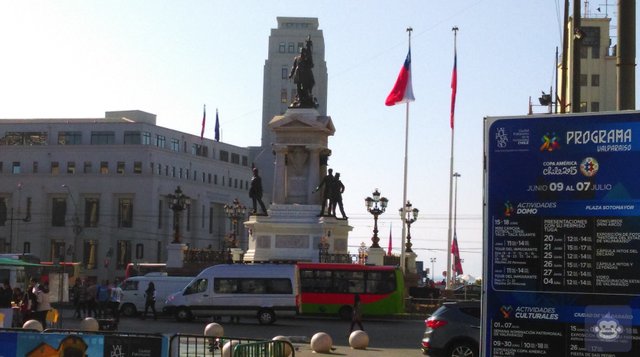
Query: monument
{"x": 293, "y": 230}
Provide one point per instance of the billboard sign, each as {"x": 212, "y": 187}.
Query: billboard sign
{"x": 562, "y": 235}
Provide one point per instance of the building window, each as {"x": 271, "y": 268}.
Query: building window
{"x": 245, "y": 161}
{"x": 166, "y": 170}
{"x": 104, "y": 167}
{"x": 584, "y": 51}
{"x": 55, "y": 168}
{"x": 58, "y": 211}
{"x": 285, "y": 72}
{"x": 125, "y": 213}
{"x": 103, "y": 138}
{"x": 132, "y": 138}
{"x": 146, "y": 138}
{"x": 283, "y": 95}
{"x": 200, "y": 150}
{"x": 235, "y": 183}
{"x": 159, "y": 169}
{"x": 57, "y": 250}
{"x": 120, "y": 166}
{"x": 3, "y": 211}
{"x": 595, "y": 106}
{"x": 235, "y": 159}
{"x": 583, "y": 80}
{"x": 210, "y": 219}
{"x": 137, "y": 167}
{"x": 91, "y": 212}
{"x": 209, "y": 178}
{"x": 139, "y": 251}
{"x": 71, "y": 167}
{"x": 35, "y": 167}
{"x": 123, "y": 254}
{"x": 180, "y": 172}
{"x": 188, "y": 216}
{"x": 595, "y": 52}
{"x": 215, "y": 179}
{"x": 24, "y": 138}
{"x": 90, "y": 254}
{"x": 69, "y": 138}
{"x": 282, "y": 47}
{"x": 15, "y": 167}
{"x": 87, "y": 167}
{"x": 224, "y": 156}
{"x": 175, "y": 144}
{"x": 160, "y": 141}
{"x": 291, "y": 47}
{"x": 595, "y": 80}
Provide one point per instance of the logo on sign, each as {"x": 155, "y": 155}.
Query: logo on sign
{"x": 549, "y": 142}
{"x": 589, "y": 167}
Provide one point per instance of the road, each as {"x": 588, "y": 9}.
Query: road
{"x": 387, "y": 337}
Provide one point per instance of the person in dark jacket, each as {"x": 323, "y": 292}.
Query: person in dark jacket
{"x": 150, "y": 300}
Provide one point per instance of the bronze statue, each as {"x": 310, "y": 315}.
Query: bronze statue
{"x": 303, "y": 77}
{"x": 338, "y": 189}
{"x": 255, "y": 192}
{"x": 327, "y": 194}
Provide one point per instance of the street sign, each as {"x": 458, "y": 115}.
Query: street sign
{"x": 562, "y": 235}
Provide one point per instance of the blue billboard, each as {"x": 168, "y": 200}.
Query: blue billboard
{"x": 562, "y": 235}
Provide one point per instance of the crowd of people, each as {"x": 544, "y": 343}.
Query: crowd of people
{"x": 98, "y": 301}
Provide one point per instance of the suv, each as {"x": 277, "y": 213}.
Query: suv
{"x": 453, "y": 330}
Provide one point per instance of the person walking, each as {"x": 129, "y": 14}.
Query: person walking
{"x": 6, "y": 293}
{"x": 102, "y": 295}
{"x": 92, "y": 303}
{"x": 114, "y": 300}
{"x": 42, "y": 296}
{"x": 150, "y": 300}
{"x": 357, "y": 313}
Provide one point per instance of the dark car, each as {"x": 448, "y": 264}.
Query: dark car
{"x": 453, "y": 330}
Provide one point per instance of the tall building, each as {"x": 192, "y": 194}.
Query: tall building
{"x": 598, "y": 78}
{"x": 98, "y": 190}
{"x": 279, "y": 91}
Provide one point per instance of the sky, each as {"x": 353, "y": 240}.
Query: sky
{"x": 73, "y": 58}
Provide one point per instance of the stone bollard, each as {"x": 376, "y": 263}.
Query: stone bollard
{"x": 32, "y": 325}
{"x": 89, "y": 324}
{"x": 227, "y": 349}
{"x": 321, "y": 343}
{"x": 359, "y": 340}
{"x": 214, "y": 329}
{"x": 287, "y": 349}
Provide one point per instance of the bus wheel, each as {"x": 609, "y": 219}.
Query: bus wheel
{"x": 128, "y": 310}
{"x": 345, "y": 312}
{"x": 183, "y": 314}
{"x": 266, "y": 316}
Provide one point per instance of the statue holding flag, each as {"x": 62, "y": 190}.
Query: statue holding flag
{"x": 303, "y": 77}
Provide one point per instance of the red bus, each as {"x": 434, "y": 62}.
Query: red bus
{"x": 329, "y": 289}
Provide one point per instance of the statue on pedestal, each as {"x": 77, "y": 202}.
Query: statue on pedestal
{"x": 327, "y": 194}
{"x": 303, "y": 77}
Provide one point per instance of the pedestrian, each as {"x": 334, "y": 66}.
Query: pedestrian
{"x": 6, "y": 293}
{"x": 114, "y": 300}
{"x": 92, "y": 304}
{"x": 17, "y": 297}
{"x": 43, "y": 307}
{"x": 75, "y": 299}
{"x": 357, "y": 313}
{"x": 31, "y": 299}
{"x": 150, "y": 300}
{"x": 103, "y": 293}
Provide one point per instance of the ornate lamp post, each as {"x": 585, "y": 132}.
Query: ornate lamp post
{"x": 408, "y": 215}
{"x": 234, "y": 211}
{"x": 376, "y": 206}
{"x": 178, "y": 202}
{"x": 433, "y": 271}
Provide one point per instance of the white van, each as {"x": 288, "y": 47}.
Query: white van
{"x": 260, "y": 290}
{"x": 133, "y": 289}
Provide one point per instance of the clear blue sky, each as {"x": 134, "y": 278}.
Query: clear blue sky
{"x": 64, "y": 59}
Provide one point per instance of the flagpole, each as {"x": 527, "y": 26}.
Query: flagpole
{"x": 450, "y": 233}
{"x": 404, "y": 190}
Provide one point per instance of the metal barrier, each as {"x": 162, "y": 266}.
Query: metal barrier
{"x": 188, "y": 345}
{"x": 264, "y": 349}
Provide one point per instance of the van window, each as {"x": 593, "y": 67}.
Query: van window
{"x": 197, "y": 286}
{"x": 252, "y": 286}
{"x": 130, "y": 285}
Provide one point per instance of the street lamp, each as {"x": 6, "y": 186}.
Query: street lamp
{"x": 234, "y": 211}
{"x": 376, "y": 206}
{"x": 77, "y": 229}
{"x": 178, "y": 202}
{"x": 408, "y": 215}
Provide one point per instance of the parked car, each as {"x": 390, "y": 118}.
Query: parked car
{"x": 453, "y": 330}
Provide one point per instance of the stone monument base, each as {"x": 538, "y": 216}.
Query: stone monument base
{"x": 294, "y": 233}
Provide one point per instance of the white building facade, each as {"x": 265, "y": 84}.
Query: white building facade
{"x": 96, "y": 190}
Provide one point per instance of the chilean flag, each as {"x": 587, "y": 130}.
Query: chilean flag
{"x": 402, "y": 91}
{"x": 457, "y": 263}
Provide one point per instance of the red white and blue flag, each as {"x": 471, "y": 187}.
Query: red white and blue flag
{"x": 402, "y": 91}
{"x": 457, "y": 263}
